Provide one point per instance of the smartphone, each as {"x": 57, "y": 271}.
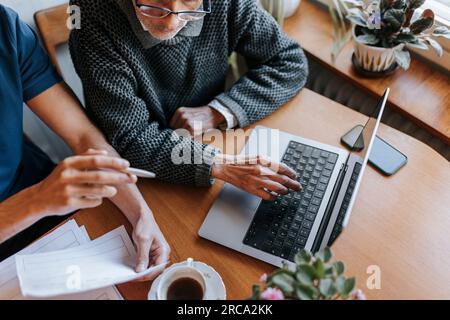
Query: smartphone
{"x": 384, "y": 157}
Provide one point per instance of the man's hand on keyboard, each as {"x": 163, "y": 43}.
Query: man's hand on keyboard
{"x": 256, "y": 174}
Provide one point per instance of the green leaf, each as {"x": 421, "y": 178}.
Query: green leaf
{"x": 256, "y": 290}
{"x": 339, "y": 267}
{"x": 329, "y": 271}
{"x": 414, "y": 4}
{"x": 349, "y": 285}
{"x": 340, "y": 284}
{"x": 399, "y": 4}
{"x": 355, "y": 3}
{"x": 306, "y": 292}
{"x": 357, "y": 17}
{"x": 325, "y": 255}
{"x": 419, "y": 44}
{"x": 369, "y": 39}
{"x": 303, "y": 256}
{"x": 421, "y": 25}
{"x": 306, "y": 274}
{"x": 403, "y": 58}
{"x": 327, "y": 288}
{"x": 435, "y": 45}
{"x": 284, "y": 282}
{"x": 394, "y": 18}
{"x": 441, "y": 32}
{"x": 406, "y": 37}
{"x": 320, "y": 269}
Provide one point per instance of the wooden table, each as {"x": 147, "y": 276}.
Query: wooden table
{"x": 401, "y": 224}
{"x": 422, "y": 93}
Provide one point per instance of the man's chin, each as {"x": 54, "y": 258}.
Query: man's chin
{"x": 163, "y": 36}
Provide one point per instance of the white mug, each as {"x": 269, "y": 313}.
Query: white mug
{"x": 174, "y": 273}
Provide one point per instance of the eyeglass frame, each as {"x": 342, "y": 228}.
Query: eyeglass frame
{"x": 169, "y": 12}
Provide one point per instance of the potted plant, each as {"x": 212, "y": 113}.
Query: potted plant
{"x": 383, "y": 30}
{"x": 315, "y": 277}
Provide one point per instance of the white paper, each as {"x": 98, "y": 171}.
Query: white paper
{"x": 68, "y": 235}
{"x": 103, "y": 262}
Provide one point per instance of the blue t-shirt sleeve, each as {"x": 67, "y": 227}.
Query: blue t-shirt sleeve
{"x": 36, "y": 69}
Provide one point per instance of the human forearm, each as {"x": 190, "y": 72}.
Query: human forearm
{"x": 19, "y": 212}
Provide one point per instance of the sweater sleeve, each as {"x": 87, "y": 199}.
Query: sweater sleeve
{"x": 113, "y": 102}
{"x": 278, "y": 67}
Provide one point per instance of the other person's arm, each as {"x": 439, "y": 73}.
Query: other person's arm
{"x": 70, "y": 122}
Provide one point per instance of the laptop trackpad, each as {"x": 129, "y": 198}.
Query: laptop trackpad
{"x": 230, "y": 217}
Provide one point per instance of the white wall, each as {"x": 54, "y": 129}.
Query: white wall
{"x": 33, "y": 127}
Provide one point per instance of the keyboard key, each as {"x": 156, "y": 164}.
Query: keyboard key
{"x": 308, "y": 151}
{"x": 316, "y": 201}
{"x": 324, "y": 154}
{"x": 332, "y": 158}
{"x": 324, "y": 180}
{"x": 300, "y": 148}
{"x": 304, "y": 232}
{"x": 310, "y": 216}
{"x": 326, "y": 173}
{"x": 301, "y": 241}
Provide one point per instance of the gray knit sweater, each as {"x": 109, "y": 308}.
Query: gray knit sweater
{"x": 134, "y": 84}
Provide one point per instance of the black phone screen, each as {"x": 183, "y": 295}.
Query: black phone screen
{"x": 386, "y": 158}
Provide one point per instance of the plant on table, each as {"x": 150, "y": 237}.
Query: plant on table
{"x": 315, "y": 277}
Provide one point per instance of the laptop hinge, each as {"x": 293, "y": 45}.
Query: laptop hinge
{"x": 329, "y": 210}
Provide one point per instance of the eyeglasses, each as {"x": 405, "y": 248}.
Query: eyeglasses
{"x": 184, "y": 15}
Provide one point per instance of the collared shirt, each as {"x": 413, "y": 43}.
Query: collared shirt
{"x": 25, "y": 72}
{"x": 192, "y": 29}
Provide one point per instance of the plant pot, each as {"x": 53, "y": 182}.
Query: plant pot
{"x": 290, "y": 7}
{"x": 280, "y": 9}
{"x": 374, "y": 59}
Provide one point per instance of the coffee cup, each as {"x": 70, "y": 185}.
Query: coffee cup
{"x": 182, "y": 282}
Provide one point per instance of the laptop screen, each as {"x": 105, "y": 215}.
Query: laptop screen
{"x": 367, "y": 138}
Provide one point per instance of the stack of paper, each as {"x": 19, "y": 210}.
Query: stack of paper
{"x": 106, "y": 261}
{"x": 68, "y": 235}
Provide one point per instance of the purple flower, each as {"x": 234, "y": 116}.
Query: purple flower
{"x": 272, "y": 294}
{"x": 358, "y": 295}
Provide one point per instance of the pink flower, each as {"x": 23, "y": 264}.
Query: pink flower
{"x": 263, "y": 278}
{"x": 272, "y": 294}
{"x": 358, "y": 295}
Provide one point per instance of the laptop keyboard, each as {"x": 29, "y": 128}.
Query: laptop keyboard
{"x": 348, "y": 196}
{"x": 282, "y": 227}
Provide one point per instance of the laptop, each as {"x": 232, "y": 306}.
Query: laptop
{"x": 312, "y": 219}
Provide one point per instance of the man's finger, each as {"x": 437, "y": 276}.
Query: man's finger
{"x": 143, "y": 255}
{"x": 176, "y": 122}
{"x": 99, "y": 177}
{"x": 271, "y": 185}
{"x": 86, "y": 203}
{"x": 263, "y": 194}
{"x": 286, "y": 181}
{"x": 91, "y": 152}
{"x": 93, "y": 191}
{"x": 97, "y": 162}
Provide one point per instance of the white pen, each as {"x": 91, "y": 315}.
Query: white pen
{"x": 141, "y": 173}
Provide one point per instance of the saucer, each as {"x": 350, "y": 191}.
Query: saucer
{"x": 215, "y": 288}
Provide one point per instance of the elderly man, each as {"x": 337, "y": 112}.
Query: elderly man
{"x": 35, "y": 195}
{"x": 151, "y": 66}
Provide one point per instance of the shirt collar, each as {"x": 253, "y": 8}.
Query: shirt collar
{"x": 192, "y": 28}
